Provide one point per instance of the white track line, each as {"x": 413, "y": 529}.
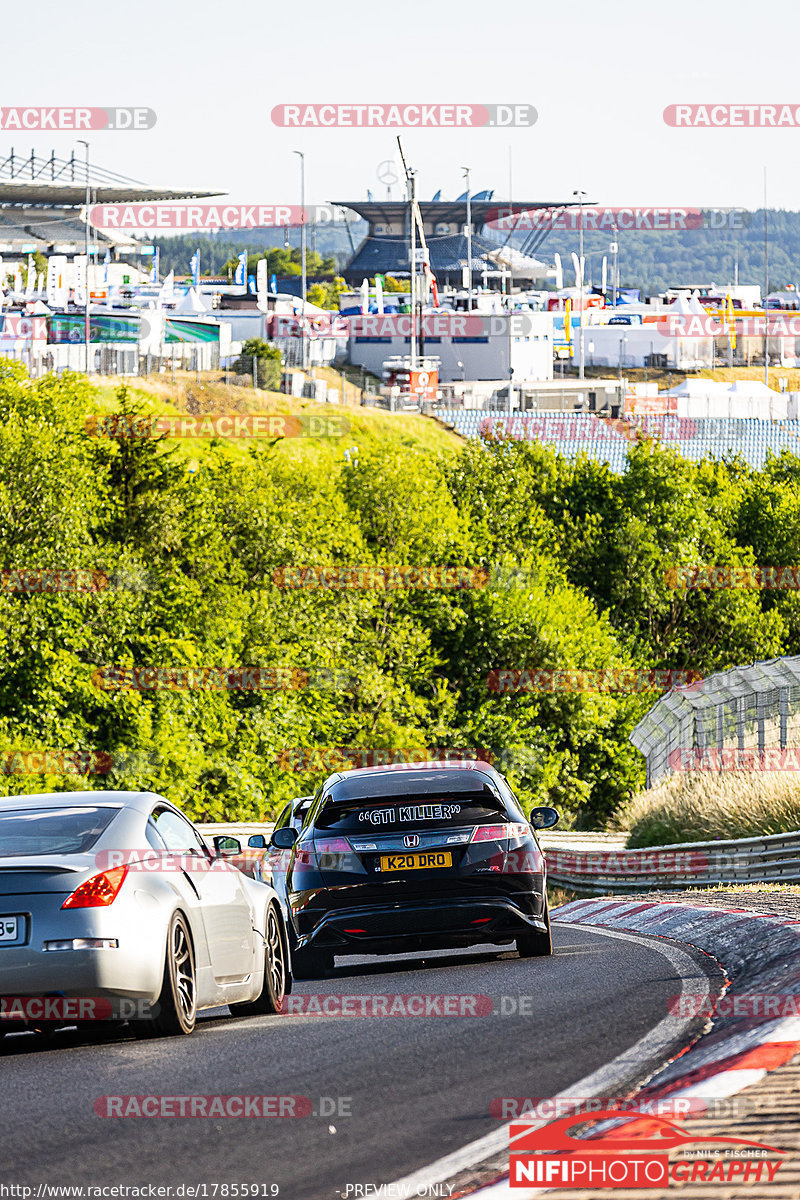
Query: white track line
{"x": 600, "y": 1083}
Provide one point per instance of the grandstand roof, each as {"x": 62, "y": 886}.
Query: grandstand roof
{"x": 396, "y": 211}
{"x": 41, "y": 199}
{"x": 34, "y": 180}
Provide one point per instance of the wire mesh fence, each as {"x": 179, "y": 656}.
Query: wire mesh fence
{"x": 755, "y": 708}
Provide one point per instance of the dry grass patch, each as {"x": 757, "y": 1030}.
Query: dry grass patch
{"x": 700, "y": 806}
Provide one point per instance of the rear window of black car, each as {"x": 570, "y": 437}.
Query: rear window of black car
{"x": 404, "y": 812}
{"x": 32, "y": 831}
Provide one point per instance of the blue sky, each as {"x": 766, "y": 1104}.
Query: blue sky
{"x": 599, "y": 75}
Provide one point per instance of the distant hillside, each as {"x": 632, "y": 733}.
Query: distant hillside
{"x": 648, "y": 260}
{"x": 216, "y": 249}
{"x": 653, "y": 260}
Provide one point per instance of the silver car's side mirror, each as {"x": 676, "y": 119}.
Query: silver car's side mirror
{"x": 226, "y": 846}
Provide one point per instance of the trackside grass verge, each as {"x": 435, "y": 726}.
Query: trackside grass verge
{"x": 700, "y": 806}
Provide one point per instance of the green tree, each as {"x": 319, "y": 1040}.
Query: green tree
{"x": 262, "y": 360}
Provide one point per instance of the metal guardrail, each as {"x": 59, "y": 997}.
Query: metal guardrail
{"x": 771, "y": 859}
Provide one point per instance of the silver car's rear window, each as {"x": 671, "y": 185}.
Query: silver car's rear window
{"x": 30, "y": 831}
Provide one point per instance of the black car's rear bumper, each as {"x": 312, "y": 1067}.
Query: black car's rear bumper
{"x": 433, "y": 924}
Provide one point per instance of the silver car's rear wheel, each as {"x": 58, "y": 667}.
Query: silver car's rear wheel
{"x": 273, "y": 989}
{"x": 176, "y": 1008}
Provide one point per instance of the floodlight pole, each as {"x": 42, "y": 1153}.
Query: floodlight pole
{"x": 469, "y": 240}
{"x": 302, "y": 158}
{"x": 86, "y": 318}
{"x": 581, "y": 373}
{"x": 411, "y": 180}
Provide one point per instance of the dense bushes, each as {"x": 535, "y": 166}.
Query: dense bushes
{"x": 574, "y": 560}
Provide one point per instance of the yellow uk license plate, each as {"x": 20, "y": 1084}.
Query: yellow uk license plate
{"x": 416, "y": 862}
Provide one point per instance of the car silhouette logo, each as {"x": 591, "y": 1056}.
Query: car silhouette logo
{"x": 411, "y": 839}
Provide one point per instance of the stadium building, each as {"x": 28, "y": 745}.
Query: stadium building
{"x": 495, "y": 261}
{"x": 42, "y": 200}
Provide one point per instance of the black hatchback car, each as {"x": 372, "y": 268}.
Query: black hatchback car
{"x": 392, "y": 859}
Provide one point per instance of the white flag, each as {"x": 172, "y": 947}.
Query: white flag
{"x": 364, "y": 295}
{"x": 559, "y": 271}
{"x": 30, "y": 279}
{"x": 56, "y": 287}
{"x": 379, "y": 293}
{"x": 18, "y": 280}
{"x": 166, "y": 294}
{"x": 262, "y": 284}
{"x": 79, "y": 281}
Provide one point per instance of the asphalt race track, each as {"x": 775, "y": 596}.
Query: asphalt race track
{"x": 416, "y": 1088}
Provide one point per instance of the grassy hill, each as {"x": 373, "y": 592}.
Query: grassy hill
{"x": 367, "y": 428}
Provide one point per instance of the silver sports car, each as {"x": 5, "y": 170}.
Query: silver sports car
{"x": 112, "y": 905}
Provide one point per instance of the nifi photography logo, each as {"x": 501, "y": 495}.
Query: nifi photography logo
{"x": 634, "y": 1154}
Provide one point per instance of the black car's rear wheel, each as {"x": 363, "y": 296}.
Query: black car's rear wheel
{"x": 176, "y": 1008}
{"x": 273, "y": 989}
{"x": 534, "y": 944}
{"x": 312, "y": 963}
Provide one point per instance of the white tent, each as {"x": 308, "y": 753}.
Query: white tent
{"x": 685, "y": 307}
{"x": 744, "y": 398}
{"x": 752, "y": 387}
{"x": 698, "y": 388}
{"x": 192, "y": 304}
{"x": 752, "y": 398}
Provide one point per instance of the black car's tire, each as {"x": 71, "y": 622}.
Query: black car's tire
{"x": 176, "y": 1007}
{"x": 312, "y": 963}
{"x": 535, "y": 944}
{"x": 273, "y": 988}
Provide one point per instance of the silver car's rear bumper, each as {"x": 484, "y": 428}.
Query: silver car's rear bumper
{"x": 133, "y": 969}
